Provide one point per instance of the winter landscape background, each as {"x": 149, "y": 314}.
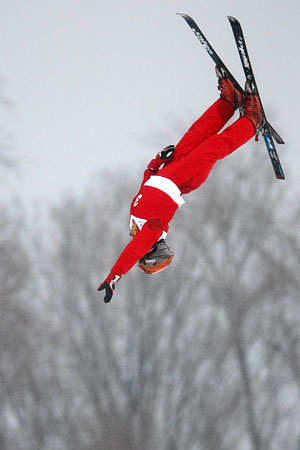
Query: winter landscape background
{"x": 204, "y": 356}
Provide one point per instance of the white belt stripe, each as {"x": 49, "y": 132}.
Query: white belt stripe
{"x": 167, "y": 186}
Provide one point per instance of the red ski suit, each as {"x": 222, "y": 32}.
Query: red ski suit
{"x": 193, "y": 158}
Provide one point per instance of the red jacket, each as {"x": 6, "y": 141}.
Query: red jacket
{"x": 195, "y": 154}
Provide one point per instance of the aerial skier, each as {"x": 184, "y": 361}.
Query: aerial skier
{"x": 179, "y": 170}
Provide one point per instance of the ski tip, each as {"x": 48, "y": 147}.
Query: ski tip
{"x": 232, "y": 19}
{"x": 189, "y": 20}
{"x": 183, "y": 15}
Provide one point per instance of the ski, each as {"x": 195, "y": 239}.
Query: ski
{"x": 215, "y": 57}
{"x": 249, "y": 74}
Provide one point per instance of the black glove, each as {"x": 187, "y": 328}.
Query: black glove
{"x": 109, "y": 285}
{"x": 109, "y": 291}
{"x": 166, "y": 155}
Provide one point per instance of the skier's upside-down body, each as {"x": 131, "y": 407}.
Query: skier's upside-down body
{"x": 184, "y": 168}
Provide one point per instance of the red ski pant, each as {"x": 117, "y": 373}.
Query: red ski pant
{"x": 203, "y": 145}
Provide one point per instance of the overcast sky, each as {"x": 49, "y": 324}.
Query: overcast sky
{"x": 99, "y": 84}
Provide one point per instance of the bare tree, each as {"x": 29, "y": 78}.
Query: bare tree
{"x": 203, "y": 356}
{"x": 141, "y": 349}
{"x": 15, "y": 316}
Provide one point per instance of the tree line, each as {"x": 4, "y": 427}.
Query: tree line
{"x": 204, "y": 356}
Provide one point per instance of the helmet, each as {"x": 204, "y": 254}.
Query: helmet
{"x": 157, "y": 259}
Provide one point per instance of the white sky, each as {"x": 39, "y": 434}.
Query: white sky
{"x": 89, "y": 80}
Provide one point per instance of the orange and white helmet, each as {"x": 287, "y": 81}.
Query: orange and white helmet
{"x": 157, "y": 259}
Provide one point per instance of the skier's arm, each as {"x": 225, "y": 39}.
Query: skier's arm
{"x": 138, "y": 247}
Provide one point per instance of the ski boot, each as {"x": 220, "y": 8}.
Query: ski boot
{"x": 252, "y": 109}
{"x": 228, "y": 91}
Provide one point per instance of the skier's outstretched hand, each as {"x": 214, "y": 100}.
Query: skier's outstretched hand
{"x": 109, "y": 292}
{"x": 109, "y": 285}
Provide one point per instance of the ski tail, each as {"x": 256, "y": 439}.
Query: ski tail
{"x": 249, "y": 74}
{"x": 275, "y": 135}
{"x": 210, "y": 50}
{"x": 273, "y": 156}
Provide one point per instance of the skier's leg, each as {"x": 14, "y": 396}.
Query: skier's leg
{"x": 214, "y": 119}
{"x": 210, "y": 123}
{"x": 199, "y": 162}
{"x": 231, "y": 138}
